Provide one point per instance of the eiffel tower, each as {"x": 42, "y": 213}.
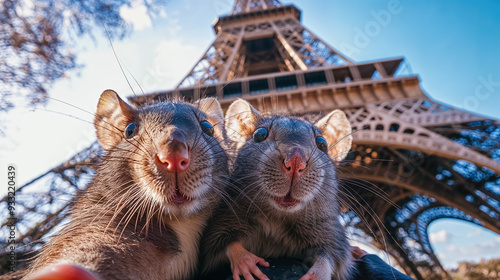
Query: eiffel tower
{"x": 413, "y": 160}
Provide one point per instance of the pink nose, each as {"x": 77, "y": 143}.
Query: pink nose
{"x": 175, "y": 158}
{"x": 295, "y": 162}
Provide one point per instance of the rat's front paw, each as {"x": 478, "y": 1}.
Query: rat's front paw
{"x": 244, "y": 263}
{"x": 246, "y": 266}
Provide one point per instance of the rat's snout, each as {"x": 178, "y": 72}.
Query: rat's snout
{"x": 173, "y": 156}
{"x": 295, "y": 162}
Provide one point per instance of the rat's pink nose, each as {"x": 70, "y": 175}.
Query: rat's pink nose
{"x": 173, "y": 161}
{"x": 295, "y": 162}
{"x": 175, "y": 158}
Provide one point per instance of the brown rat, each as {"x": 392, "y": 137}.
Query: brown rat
{"x": 285, "y": 194}
{"x": 142, "y": 215}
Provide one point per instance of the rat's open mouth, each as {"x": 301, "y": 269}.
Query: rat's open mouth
{"x": 286, "y": 201}
{"x": 180, "y": 198}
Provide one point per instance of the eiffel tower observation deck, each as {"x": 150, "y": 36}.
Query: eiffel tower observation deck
{"x": 413, "y": 160}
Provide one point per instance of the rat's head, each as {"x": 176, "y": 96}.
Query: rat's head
{"x": 165, "y": 156}
{"x": 286, "y": 162}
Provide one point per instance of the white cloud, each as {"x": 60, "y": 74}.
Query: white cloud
{"x": 442, "y": 256}
{"x": 455, "y": 253}
{"x": 487, "y": 247}
{"x": 456, "y": 249}
{"x": 477, "y": 232}
{"x": 441, "y": 236}
{"x": 173, "y": 59}
{"x": 137, "y": 15}
{"x": 481, "y": 249}
{"x": 26, "y": 8}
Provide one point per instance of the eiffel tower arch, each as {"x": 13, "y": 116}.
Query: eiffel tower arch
{"x": 413, "y": 159}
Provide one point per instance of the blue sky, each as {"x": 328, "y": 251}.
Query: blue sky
{"x": 452, "y": 45}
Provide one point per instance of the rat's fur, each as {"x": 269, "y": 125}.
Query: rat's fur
{"x": 125, "y": 225}
{"x": 310, "y": 231}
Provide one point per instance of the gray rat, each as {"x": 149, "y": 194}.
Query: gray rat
{"x": 284, "y": 193}
{"x": 142, "y": 215}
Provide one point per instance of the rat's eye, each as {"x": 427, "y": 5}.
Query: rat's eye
{"x": 129, "y": 130}
{"x": 260, "y": 134}
{"x": 321, "y": 143}
{"x": 207, "y": 128}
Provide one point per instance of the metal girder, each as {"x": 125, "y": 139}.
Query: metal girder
{"x": 399, "y": 229}
{"x": 285, "y": 43}
{"x": 307, "y": 49}
{"x": 425, "y": 188}
{"x": 424, "y": 112}
{"x": 383, "y": 124}
{"x": 41, "y": 205}
{"x": 408, "y": 227}
{"x": 246, "y": 6}
{"x": 210, "y": 68}
{"x": 428, "y": 175}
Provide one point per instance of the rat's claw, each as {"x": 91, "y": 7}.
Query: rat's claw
{"x": 262, "y": 262}
{"x": 63, "y": 272}
{"x": 256, "y": 271}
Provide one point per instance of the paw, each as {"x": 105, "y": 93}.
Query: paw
{"x": 244, "y": 263}
{"x": 246, "y": 266}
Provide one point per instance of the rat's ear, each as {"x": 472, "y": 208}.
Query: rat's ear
{"x": 241, "y": 119}
{"x": 336, "y": 129}
{"x": 211, "y": 107}
{"x": 111, "y": 118}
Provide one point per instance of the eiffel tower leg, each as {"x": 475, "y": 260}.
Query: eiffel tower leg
{"x": 307, "y": 50}
{"x": 405, "y": 263}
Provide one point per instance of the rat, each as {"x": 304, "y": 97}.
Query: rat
{"x": 284, "y": 192}
{"x": 143, "y": 213}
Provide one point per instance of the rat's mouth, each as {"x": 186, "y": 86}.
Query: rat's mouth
{"x": 286, "y": 201}
{"x": 180, "y": 198}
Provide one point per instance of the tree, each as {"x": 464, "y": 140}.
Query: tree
{"x": 484, "y": 270}
{"x": 36, "y": 38}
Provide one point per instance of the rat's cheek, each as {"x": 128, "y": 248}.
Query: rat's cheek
{"x": 64, "y": 272}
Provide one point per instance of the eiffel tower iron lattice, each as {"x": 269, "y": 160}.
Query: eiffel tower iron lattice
{"x": 413, "y": 160}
